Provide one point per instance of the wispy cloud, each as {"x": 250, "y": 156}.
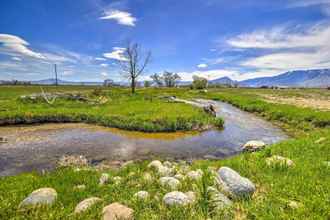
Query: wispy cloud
{"x": 104, "y": 65}
{"x": 16, "y": 58}
{"x": 122, "y": 17}
{"x": 202, "y": 65}
{"x": 323, "y": 4}
{"x": 16, "y": 46}
{"x": 100, "y": 59}
{"x": 316, "y": 36}
{"x": 285, "y": 48}
{"x": 116, "y": 54}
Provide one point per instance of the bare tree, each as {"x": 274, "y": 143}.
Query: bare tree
{"x": 170, "y": 79}
{"x": 158, "y": 79}
{"x": 133, "y": 63}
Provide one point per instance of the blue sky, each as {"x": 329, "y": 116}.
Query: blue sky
{"x": 212, "y": 38}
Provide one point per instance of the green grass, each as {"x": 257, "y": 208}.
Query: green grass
{"x": 292, "y": 118}
{"x": 140, "y": 112}
{"x": 306, "y": 183}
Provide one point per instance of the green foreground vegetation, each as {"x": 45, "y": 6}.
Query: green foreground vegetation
{"x": 307, "y": 182}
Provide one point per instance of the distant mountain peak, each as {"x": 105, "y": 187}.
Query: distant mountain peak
{"x": 297, "y": 78}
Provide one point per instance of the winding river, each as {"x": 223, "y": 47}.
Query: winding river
{"x": 37, "y": 147}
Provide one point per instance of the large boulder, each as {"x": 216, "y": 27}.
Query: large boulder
{"x": 42, "y": 196}
{"x": 233, "y": 184}
{"x": 86, "y": 204}
{"x": 117, "y": 211}
{"x": 176, "y": 198}
{"x": 170, "y": 182}
{"x": 279, "y": 161}
{"x": 252, "y": 146}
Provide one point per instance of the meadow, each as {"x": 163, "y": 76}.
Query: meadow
{"x": 306, "y": 183}
{"x": 139, "y": 112}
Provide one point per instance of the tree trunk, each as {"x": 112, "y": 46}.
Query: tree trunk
{"x": 133, "y": 85}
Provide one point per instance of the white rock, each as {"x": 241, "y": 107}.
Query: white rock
{"x": 253, "y": 146}
{"x": 170, "y": 182}
{"x": 167, "y": 164}
{"x": 279, "y": 161}
{"x": 195, "y": 175}
{"x": 176, "y": 198}
{"x": 104, "y": 179}
{"x": 233, "y": 184}
{"x": 142, "y": 195}
{"x": 86, "y": 204}
{"x": 161, "y": 170}
{"x": 42, "y": 196}
{"x": 218, "y": 201}
{"x": 155, "y": 164}
{"x": 117, "y": 211}
{"x": 165, "y": 171}
{"x": 191, "y": 196}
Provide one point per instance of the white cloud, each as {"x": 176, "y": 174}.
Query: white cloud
{"x": 284, "y": 37}
{"x": 289, "y": 48}
{"x": 122, "y": 17}
{"x": 100, "y": 59}
{"x": 104, "y": 64}
{"x": 16, "y": 46}
{"x": 290, "y": 61}
{"x": 67, "y": 73}
{"x": 116, "y": 54}
{"x": 104, "y": 74}
{"x": 202, "y": 65}
{"x": 16, "y": 58}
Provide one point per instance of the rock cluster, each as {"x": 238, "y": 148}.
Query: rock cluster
{"x": 229, "y": 185}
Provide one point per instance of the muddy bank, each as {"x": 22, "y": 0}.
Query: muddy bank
{"x": 40, "y": 146}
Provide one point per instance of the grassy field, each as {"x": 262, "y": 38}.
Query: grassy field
{"x": 139, "y": 112}
{"x": 306, "y": 183}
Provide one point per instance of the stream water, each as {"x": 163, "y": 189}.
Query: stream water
{"x": 38, "y": 147}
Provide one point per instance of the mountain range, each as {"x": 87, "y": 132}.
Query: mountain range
{"x": 299, "y": 78}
